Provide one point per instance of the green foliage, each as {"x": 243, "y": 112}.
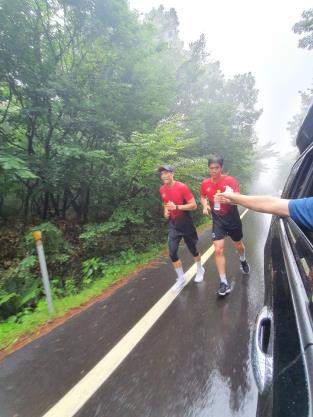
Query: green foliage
{"x": 128, "y": 257}
{"x": 95, "y": 231}
{"x": 92, "y": 268}
{"x": 61, "y": 287}
{"x": 57, "y": 249}
{"x": 70, "y": 287}
{"x": 145, "y": 152}
{"x": 305, "y": 26}
{"x": 92, "y": 100}
{"x": 15, "y": 167}
{"x": 19, "y": 287}
{"x": 295, "y": 123}
{"x": 20, "y": 284}
{"x": 11, "y": 329}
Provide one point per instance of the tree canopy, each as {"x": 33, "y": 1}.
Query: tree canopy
{"x": 303, "y": 27}
{"x": 93, "y": 98}
{"x": 82, "y": 81}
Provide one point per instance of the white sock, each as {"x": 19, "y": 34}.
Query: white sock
{"x": 223, "y": 278}
{"x": 242, "y": 257}
{"x": 179, "y": 272}
{"x": 199, "y": 266}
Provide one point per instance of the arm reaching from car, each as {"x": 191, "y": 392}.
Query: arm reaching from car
{"x": 261, "y": 203}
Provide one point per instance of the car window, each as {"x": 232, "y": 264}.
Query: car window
{"x": 300, "y": 184}
{"x": 303, "y": 253}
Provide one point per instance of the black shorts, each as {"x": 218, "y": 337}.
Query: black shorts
{"x": 229, "y": 225}
{"x": 190, "y": 237}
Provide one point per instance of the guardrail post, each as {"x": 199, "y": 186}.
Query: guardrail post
{"x": 43, "y": 269}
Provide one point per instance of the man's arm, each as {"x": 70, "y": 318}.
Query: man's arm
{"x": 261, "y": 203}
{"x": 189, "y": 206}
{"x": 206, "y": 207}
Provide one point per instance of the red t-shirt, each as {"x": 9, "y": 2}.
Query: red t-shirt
{"x": 179, "y": 194}
{"x": 209, "y": 189}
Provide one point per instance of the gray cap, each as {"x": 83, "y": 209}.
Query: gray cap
{"x": 165, "y": 168}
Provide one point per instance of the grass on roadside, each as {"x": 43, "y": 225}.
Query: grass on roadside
{"x": 10, "y": 333}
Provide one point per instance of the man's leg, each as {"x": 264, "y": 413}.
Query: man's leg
{"x": 220, "y": 258}
{"x": 240, "y": 247}
{"x": 220, "y": 262}
{"x": 191, "y": 242}
{"x": 178, "y": 268}
{"x": 173, "y": 244}
{"x": 200, "y": 269}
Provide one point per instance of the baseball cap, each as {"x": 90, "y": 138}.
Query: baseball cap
{"x": 165, "y": 168}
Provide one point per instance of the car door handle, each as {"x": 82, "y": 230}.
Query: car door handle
{"x": 262, "y": 355}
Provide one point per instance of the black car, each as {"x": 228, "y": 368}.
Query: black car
{"x": 283, "y": 339}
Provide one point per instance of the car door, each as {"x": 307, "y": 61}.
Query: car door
{"x": 283, "y": 340}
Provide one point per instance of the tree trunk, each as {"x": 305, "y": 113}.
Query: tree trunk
{"x": 45, "y": 206}
{"x": 85, "y": 207}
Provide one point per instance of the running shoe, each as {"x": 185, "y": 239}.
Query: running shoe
{"x": 199, "y": 276}
{"x": 245, "y": 267}
{"x": 223, "y": 289}
{"x": 180, "y": 282}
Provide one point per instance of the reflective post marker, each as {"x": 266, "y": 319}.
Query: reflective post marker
{"x": 43, "y": 269}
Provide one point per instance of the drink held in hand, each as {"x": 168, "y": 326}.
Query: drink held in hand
{"x": 217, "y": 204}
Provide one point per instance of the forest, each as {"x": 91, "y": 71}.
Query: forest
{"x": 93, "y": 98}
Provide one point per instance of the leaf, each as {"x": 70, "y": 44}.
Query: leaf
{"x": 6, "y": 297}
{"x": 29, "y": 295}
{"x": 16, "y": 166}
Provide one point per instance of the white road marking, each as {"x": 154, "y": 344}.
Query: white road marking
{"x": 244, "y": 213}
{"x": 75, "y": 399}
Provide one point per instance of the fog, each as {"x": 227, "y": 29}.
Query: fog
{"x": 257, "y": 37}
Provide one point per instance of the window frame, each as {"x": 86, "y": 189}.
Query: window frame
{"x": 291, "y": 227}
{"x": 300, "y": 182}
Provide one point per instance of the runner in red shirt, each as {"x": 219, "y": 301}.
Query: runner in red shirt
{"x": 226, "y": 219}
{"x": 178, "y": 202}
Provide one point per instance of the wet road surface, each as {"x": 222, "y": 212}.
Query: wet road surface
{"x": 195, "y": 361}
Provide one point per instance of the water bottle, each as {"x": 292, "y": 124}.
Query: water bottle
{"x": 217, "y": 205}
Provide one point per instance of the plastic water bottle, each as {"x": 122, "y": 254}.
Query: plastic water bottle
{"x": 217, "y": 205}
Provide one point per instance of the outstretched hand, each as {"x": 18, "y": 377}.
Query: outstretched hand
{"x": 225, "y": 197}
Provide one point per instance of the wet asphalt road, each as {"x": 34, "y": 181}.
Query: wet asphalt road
{"x": 195, "y": 361}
